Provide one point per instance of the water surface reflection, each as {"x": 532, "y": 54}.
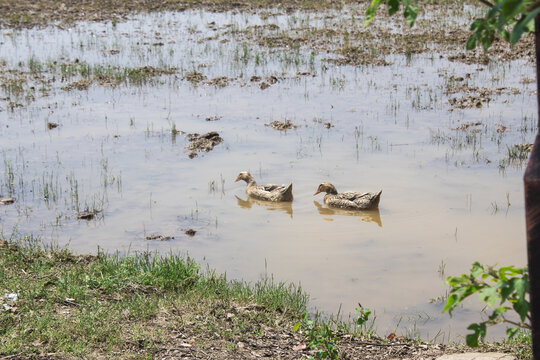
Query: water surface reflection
{"x": 248, "y": 204}
{"x": 365, "y": 215}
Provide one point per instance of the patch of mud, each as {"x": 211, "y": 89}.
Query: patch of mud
{"x": 470, "y": 58}
{"x": 82, "y": 84}
{"x": 473, "y": 126}
{"x": 271, "y": 80}
{"x": 87, "y": 215}
{"x": 502, "y": 129}
{"x": 111, "y": 77}
{"x": 195, "y": 77}
{"x": 280, "y": 343}
{"x": 205, "y": 142}
{"x": 26, "y": 13}
{"x": 499, "y": 50}
{"x": 282, "y": 125}
{"x": 282, "y": 41}
{"x": 468, "y": 102}
{"x": 220, "y": 81}
{"x": 190, "y": 232}
{"x": 358, "y": 56}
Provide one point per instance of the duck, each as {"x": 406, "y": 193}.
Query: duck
{"x": 270, "y": 192}
{"x": 349, "y": 200}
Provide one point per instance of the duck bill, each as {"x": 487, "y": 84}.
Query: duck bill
{"x": 237, "y": 179}
{"x": 317, "y": 192}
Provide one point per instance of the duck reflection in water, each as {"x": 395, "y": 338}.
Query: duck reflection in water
{"x": 363, "y": 215}
{"x": 248, "y": 203}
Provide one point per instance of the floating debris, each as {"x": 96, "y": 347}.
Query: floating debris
{"x": 264, "y": 86}
{"x": 51, "y": 125}
{"x": 213, "y": 118}
{"x": 255, "y": 78}
{"x": 328, "y": 125}
{"x": 82, "y": 84}
{"x": 159, "y": 237}
{"x": 502, "y": 129}
{"x": 282, "y": 125}
{"x": 205, "y": 142}
{"x": 466, "y": 126}
{"x": 87, "y": 215}
{"x": 7, "y": 201}
{"x": 190, "y": 232}
{"x": 272, "y": 80}
{"x": 220, "y": 81}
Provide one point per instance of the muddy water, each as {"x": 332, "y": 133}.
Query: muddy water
{"x": 449, "y": 196}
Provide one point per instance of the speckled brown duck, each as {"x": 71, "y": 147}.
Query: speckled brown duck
{"x": 349, "y": 200}
{"x": 270, "y": 192}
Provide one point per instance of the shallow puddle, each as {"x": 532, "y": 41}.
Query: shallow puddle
{"x": 452, "y": 191}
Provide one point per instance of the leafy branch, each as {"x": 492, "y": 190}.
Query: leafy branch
{"x": 502, "y": 289}
{"x": 510, "y": 19}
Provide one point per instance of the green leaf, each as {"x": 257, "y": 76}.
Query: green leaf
{"x": 410, "y": 14}
{"x": 509, "y": 270}
{"x": 522, "y": 308}
{"x": 477, "y": 269}
{"x": 498, "y": 312}
{"x": 510, "y": 8}
{"x": 451, "y": 303}
{"x": 486, "y": 42}
{"x": 489, "y": 295}
{"x": 370, "y": 11}
{"x": 363, "y": 315}
{"x": 479, "y": 331}
{"x": 296, "y": 326}
{"x": 393, "y": 7}
{"x": 505, "y": 35}
{"x": 521, "y": 286}
{"x": 471, "y": 43}
{"x": 474, "y": 26}
{"x": 522, "y": 25}
{"x": 511, "y": 332}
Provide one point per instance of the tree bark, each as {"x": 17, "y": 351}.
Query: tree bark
{"x": 532, "y": 214}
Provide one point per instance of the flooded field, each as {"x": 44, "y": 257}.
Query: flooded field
{"x": 96, "y": 121}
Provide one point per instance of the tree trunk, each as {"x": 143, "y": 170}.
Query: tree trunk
{"x": 532, "y": 213}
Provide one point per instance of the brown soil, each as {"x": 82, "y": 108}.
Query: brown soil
{"x": 238, "y": 335}
{"x": 353, "y": 43}
{"x": 282, "y": 125}
{"x": 159, "y": 237}
{"x": 30, "y": 13}
{"x": 205, "y": 142}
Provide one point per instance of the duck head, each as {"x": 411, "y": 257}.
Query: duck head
{"x": 246, "y": 176}
{"x": 327, "y": 188}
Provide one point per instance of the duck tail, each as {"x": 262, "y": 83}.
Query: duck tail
{"x": 287, "y": 193}
{"x": 376, "y": 199}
